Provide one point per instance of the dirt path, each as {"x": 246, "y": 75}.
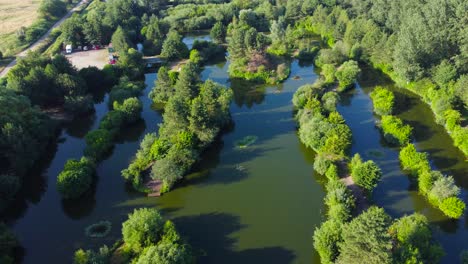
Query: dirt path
{"x": 40, "y": 41}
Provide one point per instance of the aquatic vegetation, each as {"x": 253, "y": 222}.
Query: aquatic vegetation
{"x": 246, "y": 142}
{"x": 99, "y": 229}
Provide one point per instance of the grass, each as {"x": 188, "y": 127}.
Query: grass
{"x": 15, "y": 14}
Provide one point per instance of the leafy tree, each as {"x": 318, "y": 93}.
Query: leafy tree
{"x": 443, "y": 188}
{"x": 187, "y": 84}
{"x": 330, "y": 100}
{"x": 326, "y": 239}
{"x": 131, "y": 109}
{"x": 98, "y": 143}
{"x": 173, "y": 48}
{"x": 142, "y": 229}
{"x": 76, "y": 178}
{"x": 453, "y": 207}
{"x": 162, "y": 90}
{"x": 8, "y": 243}
{"x": 218, "y": 32}
{"x": 413, "y": 161}
{"x": 383, "y": 100}
{"x": 120, "y": 40}
{"x": 366, "y": 238}
{"x": 366, "y": 175}
{"x": 444, "y": 73}
{"x": 395, "y": 131}
{"x": 347, "y": 74}
{"x": 166, "y": 253}
{"x": 328, "y": 71}
{"x": 414, "y": 241}
{"x": 322, "y": 163}
{"x": 52, "y": 8}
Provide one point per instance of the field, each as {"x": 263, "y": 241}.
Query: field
{"x": 15, "y": 14}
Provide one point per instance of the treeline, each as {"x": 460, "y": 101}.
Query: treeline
{"x": 421, "y": 45}
{"x": 440, "y": 190}
{"x": 194, "y": 114}
{"x": 147, "y": 238}
{"x": 125, "y": 108}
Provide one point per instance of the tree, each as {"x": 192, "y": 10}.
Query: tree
{"x": 187, "y": 84}
{"x": 8, "y": 243}
{"x": 413, "y": 240}
{"x": 413, "y": 161}
{"x": 383, "y": 100}
{"x": 173, "y": 48}
{"x": 163, "y": 89}
{"x": 166, "y": 253}
{"x": 142, "y": 229}
{"x": 366, "y": 239}
{"x": 131, "y": 109}
{"x": 98, "y": 143}
{"x": 453, "y": 207}
{"x": 395, "y": 132}
{"x": 366, "y": 175}
{"x": 50, "y": 9}
{"x": 347, "y": 74}
{"x": 326, "y": 239}
{"x": 120, "y": 40}
{"x": 218, "y": 32}
{"x": 443, "y": 188}
{"x": 76, "y": 178}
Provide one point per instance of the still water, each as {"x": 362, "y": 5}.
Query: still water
{"x": 254, "y": 205}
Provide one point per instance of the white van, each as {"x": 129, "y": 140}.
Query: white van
{"x": 68, "y": 49}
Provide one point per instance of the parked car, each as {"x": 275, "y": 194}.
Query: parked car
{"x": 68, "y": 49}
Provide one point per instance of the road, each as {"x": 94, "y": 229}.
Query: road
{"x": 38, "y": 43}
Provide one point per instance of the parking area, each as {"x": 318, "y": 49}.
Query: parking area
{"x": 83, "y": 59}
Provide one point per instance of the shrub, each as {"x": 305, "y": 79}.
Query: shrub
{"x": 339, "y": 200}
{"x": 332, "y": 172}
{"x": 347, "y": 74}
{"x": 383, "y": 100}
{"x": 426, "y": 180}
{"x": 395, "y": 131}
{"x": 76, "y": 178}
{"x": 329, "y": 101}
{"x": 412, "y": 161}
{"x": 98, "y": 143}
{"x": 328, "y": 71}
{"x": 112, "y": 121}
{"x": 452, "y": 207}
{"x": 366, "y": 175}
{"x": 326, "y": 239}
{"x": 131, "y": 109}
{"x": 142, "y": 229}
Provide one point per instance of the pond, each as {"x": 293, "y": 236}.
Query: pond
{"x": 255, "y": 204}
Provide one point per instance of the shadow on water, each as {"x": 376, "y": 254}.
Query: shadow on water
{"x": 212, "y": 233}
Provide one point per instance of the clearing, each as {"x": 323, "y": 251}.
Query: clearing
{"x": 83, "y": 59}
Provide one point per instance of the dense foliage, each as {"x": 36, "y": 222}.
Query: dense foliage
{"x": 146, "y": 239}
{"x": 440, "y": 190}
{"x": 383, "y": 100}
{"x": 395, "y": 132}
{"x": 76, "y": 178}
{"x": 365, "y": 174}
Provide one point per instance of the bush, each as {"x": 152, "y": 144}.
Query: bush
{"x": 112, "y": 121}
{"x": 452, "y": 207}
{"x": 142, "y": 229}
{"x": 339, "y": 200}
{"x": 98, "y": 143}
{"x": 173, "y": 48}
{"x": 329, "y": 101}
{"x": 395, "y": 132}
{"x": 328, "y": 71}
{"x": 383, "y": 100}
{"x": 332, "y": 172}
{"x": 347, "y": 74}
{"x": 130, "y": 108}
{"x": 366, "y": 175}
{"x": 443, "y": 188}
{"x": 76, "y": 178}
{"x": 412, "y": 161}
{"x": 326, "y": 239}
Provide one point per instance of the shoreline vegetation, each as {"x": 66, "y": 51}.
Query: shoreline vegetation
{"x": 355, "y": 230}
{"x": 440, "y": 190}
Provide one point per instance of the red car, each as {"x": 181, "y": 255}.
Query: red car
{"x": 112, "y": 62}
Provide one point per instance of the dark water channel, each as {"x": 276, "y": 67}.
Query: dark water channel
{"x": 259, "y": 204}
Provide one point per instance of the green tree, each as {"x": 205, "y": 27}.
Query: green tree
{"x": 218, "y": 32}
{"x": 395, "y": 132}
{"x": 326, "y": 239}
{"x": 173, "y": 48}
{"x": 166, "y": 253}
{"x": 366, "y": 175}
{"x": 366, "y": 239}
{"x": 52, "y": 8}
{"x": 76, "y": 178}
{"x": 413, "y": 161}
{"x": 347, "y": 74}
{"x": 163, "y": 89}
{"x": 120, "y": 40}
{"x": 453, "y": 207}
{"x": 131, "y": 108}
{"x": 98, "y": 143}
{"x": 383, "y": 100}
{"x": 142, "y": 229}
